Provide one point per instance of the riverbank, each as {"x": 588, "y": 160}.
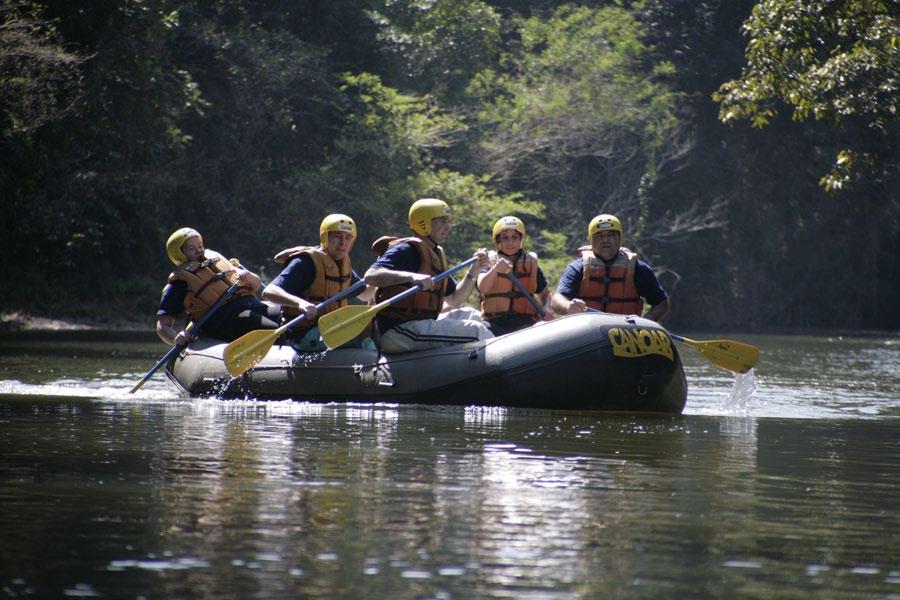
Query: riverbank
{"x": 24, "y": 321}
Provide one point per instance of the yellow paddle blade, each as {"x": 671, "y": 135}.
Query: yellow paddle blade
{"x": 243, "y": 353}
{"x": 728, "y": 354}
{"x": 340, "y": 326}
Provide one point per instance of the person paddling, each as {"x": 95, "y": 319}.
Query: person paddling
{"x": 609, "y": 278}
{"x": 503, "y": 305}
{"x": 310, "y": 275}
{"x": 412, "y": 323}
{"x": 200, "y": 278}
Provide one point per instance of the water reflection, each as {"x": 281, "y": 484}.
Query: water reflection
{"x": 786, "y": 491}
{"x": 304, "y": 499}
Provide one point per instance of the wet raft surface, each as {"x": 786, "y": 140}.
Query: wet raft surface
{"x": 581, "y": 362}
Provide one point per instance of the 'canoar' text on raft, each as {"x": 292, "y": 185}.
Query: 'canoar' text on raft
{"x": 629, "y": 343}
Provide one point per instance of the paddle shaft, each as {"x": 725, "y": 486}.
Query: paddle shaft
{"x": 416, "y": 288}
{"x": 730, "y": 355}
{"x": 190, "y": 329}
{"x": 350, "y": 291}
{"x": 346, "y": 328}
{"x": 246, "y": 351}
{"x": 537, "y": 306}
{"x": 674, "y": 336}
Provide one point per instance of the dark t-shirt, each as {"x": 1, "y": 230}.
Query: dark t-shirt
{"x": 645, "y": 282}
{"x": 402, "y": 257}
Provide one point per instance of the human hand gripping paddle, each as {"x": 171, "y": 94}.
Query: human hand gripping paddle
{"x": 341, "y": 326}
{"x": 243, "y": 353}
{"x": 190, "y": 331}
{"x": 730, "y": 355}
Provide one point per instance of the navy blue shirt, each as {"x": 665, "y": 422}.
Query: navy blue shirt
{"x": 299, "y": 274}
{"x": 645, "y": 282}
{"x": 402, "y": 257}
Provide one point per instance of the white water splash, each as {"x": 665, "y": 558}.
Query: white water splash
{"x": 742, "y": 392}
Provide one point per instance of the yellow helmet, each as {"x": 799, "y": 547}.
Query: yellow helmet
{"x": 423, "y": 211}
{"x": 176, "y": 241}
{"x": 604, "y": 223}
{"x": 504, "y": 223}
{"x": 336, "y": 222}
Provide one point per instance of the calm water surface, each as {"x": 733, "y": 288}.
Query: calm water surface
{"x": 780, "y": 484}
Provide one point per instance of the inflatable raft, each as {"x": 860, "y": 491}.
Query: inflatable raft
{"x": 589, "y": 361}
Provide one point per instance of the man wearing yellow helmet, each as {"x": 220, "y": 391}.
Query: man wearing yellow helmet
{"x": 503, "y": 306}
{"x": 310, "y": 275}
{"x": 609, "y": 277}
{"x": 200, "y": 278}
{"x": 412, "y": 323}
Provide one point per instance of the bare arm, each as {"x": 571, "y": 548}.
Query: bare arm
{"x": 545, "y": 299}
{"x": 463, "y": 290}
{"x": 165, "y": 329}
{"x": 659, "y": 311}
{"x": 278, "y": 295}
{"x": 563, "y": 306}
{"x": 465, "y": 287}
{"x": 249, "y": 279}
{"x": 382, "y": 277}
{"x": 367, "y": 294}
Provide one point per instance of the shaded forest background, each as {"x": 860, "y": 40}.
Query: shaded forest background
{"x": 761, "y": 185}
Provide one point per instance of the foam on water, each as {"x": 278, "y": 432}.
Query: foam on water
{"x": 745, "y": 387}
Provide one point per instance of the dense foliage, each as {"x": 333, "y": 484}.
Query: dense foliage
{"x": 833, "y": 61}
{"x": 251, "y": 120}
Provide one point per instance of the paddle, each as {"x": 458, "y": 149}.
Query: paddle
{"x": 243, "y": 353}
{"x": 344, "y": 324}
{"x": 537, "y": 306}
{"x": 191, "y": 328}
{"x": 730, "y": 355}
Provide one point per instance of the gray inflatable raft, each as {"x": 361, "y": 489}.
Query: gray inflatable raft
{"x": 589, "y": 361}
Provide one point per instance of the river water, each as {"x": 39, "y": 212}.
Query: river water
{"x": 783, "y": 483}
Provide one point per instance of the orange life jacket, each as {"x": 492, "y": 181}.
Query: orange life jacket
{"x": 424, "y": 304}
{"x": 207, "y": 281}
{"x": 503, "y": 297}
{"x": 331, "y": 278}
{"x": 610, "y": 287}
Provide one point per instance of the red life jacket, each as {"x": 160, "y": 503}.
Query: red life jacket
{"x": 610, "y": 287}
{"x": 503, "y": 297}
{"x": 207, "y": 281}
{"x": 424, "y": 304}
{"x": 331, "y": 278}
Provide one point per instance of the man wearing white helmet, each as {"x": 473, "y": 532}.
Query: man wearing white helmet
{"x": 312, "y": 274}
{"x": 200, "y": 278}
{"x": 609, "y": 278}
{"x": 412, "y": 323}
